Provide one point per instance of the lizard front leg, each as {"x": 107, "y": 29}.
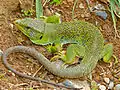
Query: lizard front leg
{"x": 107, "y": 53}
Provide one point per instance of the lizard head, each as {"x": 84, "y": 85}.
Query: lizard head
{"x": 32, "y": 28}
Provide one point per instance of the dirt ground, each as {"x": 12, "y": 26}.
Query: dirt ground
{"x": 11, "y": 36}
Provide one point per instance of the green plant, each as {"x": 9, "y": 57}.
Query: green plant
{"x": 27, "y": 12}
{"x": 39, "y": 9}
{"x": 57, "y": 2}
{"x": 74, "y": 8}
{"x": 114, "y": 6}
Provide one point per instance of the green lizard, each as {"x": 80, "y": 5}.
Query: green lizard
{"x": 85, "y": 40}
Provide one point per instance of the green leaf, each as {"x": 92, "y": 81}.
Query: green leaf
{"x": 112, "y": 9}
{"x": 74, "y": 8}
{"x": 39, "y": 9}
{"x": 53, "y": 19}
{"x": 57, "y": 2}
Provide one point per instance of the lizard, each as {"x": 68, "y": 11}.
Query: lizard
{"x": 85, "y": 40}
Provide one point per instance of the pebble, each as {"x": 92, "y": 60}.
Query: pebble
{"x": 102, "y": 14}
{"x": 51, "y": 76}
{"x": 99, "y": 7}
{"x": 102, "y": 87}
{"x": 107, "y": 80}
{"x": 11, "y": 73}
{"x": 11, "y": 25}
{"x": 82, "y": 85}
{"x": 81, "y": 6}
{"x": 117, "y": 87}
{"x": 111, "y": 85}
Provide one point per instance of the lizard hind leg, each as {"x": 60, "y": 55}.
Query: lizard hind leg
{"x": 73, "y": 50}
{"x": 107, "y": 53}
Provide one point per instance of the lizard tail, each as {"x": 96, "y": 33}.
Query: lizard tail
{"x": 35, "y": 54}
{"x": 82, "y": 69}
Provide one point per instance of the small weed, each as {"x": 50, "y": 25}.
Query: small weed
{"x": 75, "y": 2}
{"x": 2, "y": 76}
{"x": 114, "y": 6}
{"x": 27, "y": 12}
{"x": 31, "y": 88}
{"x": 39, "y": 9}
{"x": 57, "y": 2}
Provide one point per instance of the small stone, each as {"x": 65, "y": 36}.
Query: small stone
{"x": 87, "y": 15}
{"x": 11, "y": 25}
{"x": 102, "y": 87}
{"x": 77, "y": 84}
{"x": 99, "y": 7}
{"x": 81, "y": 6}
{"x": 107, "y": 80}
{"x": 111, "y": 85}
{"x": 82, "y": 15}
{"x": 69, "y": 0}
{"x": 117, "y": 87}
{"x": 102, "y": 14}
{"x": 51, "y": 76}
{"x": 64, "y": 2}
{"x": 11, "y": 73}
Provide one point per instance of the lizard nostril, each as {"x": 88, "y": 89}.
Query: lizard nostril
{"x": 80, "y": 59}
{"x": 41, "y": 37}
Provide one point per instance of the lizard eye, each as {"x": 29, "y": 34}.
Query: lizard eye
{"x": 41, "y": 37}
{"x": 80, "y": 59}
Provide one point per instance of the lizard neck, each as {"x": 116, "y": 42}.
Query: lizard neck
{"x": 50, "y": 28}
{"x": 50, "y": 32}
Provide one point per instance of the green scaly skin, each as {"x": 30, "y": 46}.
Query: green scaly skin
{"x": 77, "y": 32}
